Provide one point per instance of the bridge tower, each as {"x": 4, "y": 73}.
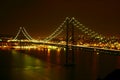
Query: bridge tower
{"x": 69, "y": 43}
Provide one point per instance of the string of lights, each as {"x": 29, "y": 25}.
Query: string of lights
{"x": 23, "y": 30}
{"x": 26, "y": 33}
{"x": 15, "y": 38}
{"x": 57, "y": 31}
{"x": 88, "y": 31}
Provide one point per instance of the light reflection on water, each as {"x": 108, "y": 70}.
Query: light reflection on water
{"x": 47, "y": 64}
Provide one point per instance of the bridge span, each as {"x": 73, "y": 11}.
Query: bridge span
{"x": 70, "y": 29}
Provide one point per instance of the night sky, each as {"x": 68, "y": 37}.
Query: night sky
{"x": 42, "y": 17}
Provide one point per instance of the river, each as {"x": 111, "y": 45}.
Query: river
{"x": 49, "y": 64}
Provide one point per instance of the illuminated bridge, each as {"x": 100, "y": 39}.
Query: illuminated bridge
{"x": 74, "y": 33}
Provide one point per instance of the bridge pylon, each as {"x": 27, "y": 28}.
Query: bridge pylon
{"x": 69, "y": 43}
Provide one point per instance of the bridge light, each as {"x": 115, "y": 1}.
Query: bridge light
{"x": 0, "y": 39}
{"x": 52, "y": 47}
{"x": 97, "y": 53}
{"x": 81, "y": 24}
{"x": 73, "y": 18}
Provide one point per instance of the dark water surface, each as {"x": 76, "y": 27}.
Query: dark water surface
{"x": 47, "y": 64}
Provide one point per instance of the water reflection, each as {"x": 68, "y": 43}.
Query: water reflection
{"x": 118, "y": 62}
{"x": 48, "y": 64}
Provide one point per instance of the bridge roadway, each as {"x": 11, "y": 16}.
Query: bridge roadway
{"x": 86, "y": 48}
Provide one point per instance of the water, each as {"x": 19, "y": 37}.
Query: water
{"x": 48, "y": 64}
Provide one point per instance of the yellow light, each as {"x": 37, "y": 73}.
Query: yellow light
{"x": 52, "y": 47}
{"x": 97, "y": 53}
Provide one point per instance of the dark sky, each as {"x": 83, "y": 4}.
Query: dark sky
{"x": 42, "y": 17}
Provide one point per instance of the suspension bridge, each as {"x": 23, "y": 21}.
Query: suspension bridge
{"x": 68, "y": 29}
